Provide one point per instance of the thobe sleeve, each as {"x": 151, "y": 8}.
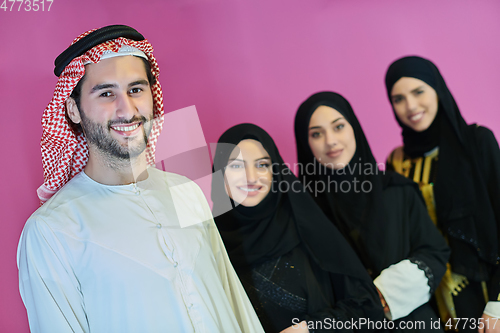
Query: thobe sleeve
{"x": 409, "y": 283}
{"x": 236, "y": 295}
{"x": 48, "y": 286}
{"x": 490, "y": 154}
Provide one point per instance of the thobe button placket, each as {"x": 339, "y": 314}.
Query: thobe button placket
{"x": 137, "y": 192}
{"x": 158, "y": 225}
{"x": 190, "y": 305}
{"x": 176, "y": 263}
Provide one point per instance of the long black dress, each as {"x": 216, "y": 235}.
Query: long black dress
{"x": 293, "y": 263}
{"x": 457, "y": 167}
{"x": 386, "y": 225}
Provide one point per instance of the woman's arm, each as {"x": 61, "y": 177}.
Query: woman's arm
{"x": 410, "y": 283}
{"x": 356, "y": 305}
{"x": 490, "y": 162}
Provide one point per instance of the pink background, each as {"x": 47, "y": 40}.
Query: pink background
{"x": 239, "y": 61}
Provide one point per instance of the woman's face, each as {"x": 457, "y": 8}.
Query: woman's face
{"x": 331, "y": 138}
{"x": 415, "y": 103}
{"x": 248, "y": 174}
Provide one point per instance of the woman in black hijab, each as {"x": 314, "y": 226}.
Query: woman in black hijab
{"x": 382, "y": 215}
{"x": 457, "y": 167}
{"x": 292, "y": 262}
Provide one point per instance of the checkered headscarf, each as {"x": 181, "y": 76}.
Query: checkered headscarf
{"x": 65, "y": 152}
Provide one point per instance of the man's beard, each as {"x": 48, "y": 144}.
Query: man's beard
{"x": 100, "y": 137}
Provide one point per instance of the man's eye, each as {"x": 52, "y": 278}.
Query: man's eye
{"x": 105, "y": 94}
{"x": 135, "y": 90}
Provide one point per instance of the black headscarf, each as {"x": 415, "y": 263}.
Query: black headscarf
{"x": 463, "y": 207}
{"x": 287, "y": 217}
{"x": 358, "y": 214}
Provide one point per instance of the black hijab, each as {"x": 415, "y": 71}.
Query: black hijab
{"x": 287, "y": 217}
{"x": 358, "y": 214}
{"x": 463, "y": 206}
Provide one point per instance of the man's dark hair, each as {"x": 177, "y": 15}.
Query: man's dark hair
{"x": 76, "y": 93}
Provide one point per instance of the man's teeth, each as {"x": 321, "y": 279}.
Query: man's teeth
{"x": 125, "y": 128}
{"x": 248, "y": 189}
{"x": 417, "y": 116}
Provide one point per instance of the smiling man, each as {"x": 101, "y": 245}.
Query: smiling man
{"x": 114, "y": 105}
{"x": 106, "y": 251}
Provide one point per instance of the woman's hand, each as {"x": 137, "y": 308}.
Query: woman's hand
{"x": 384, "y": 303}
{"x": 297, "y": 328}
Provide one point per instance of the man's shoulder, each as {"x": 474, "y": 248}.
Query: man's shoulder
{"x": 72, "y": 190}
{"x": 171, "y": 178}
{"x": 174, "y": 180}
{"x": 53, "y": 213}
{"x": 81, "y": 192}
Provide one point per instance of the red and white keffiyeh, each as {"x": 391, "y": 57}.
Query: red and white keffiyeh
{"x": 64, "y": 152}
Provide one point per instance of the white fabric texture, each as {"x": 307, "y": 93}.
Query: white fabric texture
{"x": 98, "y": 258}
{"x": 404, "y": 287}
{"x": 492, "y": 309}
{"x": 123, "y": 51}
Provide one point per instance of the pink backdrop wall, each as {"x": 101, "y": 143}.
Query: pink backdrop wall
{"x": 239, "y": 61}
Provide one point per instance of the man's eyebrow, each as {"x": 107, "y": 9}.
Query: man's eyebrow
{"x": 319, "y": 127}
{"x": 103, "y": 86}
{"x": 139, "y": 82}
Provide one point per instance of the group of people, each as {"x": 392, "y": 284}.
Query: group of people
{"x": 107, "y": 250}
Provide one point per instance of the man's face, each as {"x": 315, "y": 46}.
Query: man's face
{"x": 116, "y": 107}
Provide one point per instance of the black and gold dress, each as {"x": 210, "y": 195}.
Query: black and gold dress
{"x": 457, "y": 167}
{"x": 453, "y": 296}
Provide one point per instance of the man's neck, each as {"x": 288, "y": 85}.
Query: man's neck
{"x": 112, "y": 171}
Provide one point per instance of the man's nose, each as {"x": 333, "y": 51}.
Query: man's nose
{"x": 126, "y": 108}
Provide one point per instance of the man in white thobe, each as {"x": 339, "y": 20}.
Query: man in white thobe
{"x": 118, "y": 246}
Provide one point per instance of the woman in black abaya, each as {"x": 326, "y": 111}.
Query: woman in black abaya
{"x": 381, "y": 215}
{"x": 292, "y": 262}
{"x": 457, "y": 167}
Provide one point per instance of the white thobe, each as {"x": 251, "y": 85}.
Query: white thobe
{"x": 144, "y": 257}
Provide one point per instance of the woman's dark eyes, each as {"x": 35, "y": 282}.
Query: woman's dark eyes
{"x": 315, "y": 134}
{"x": 339, "y": 127}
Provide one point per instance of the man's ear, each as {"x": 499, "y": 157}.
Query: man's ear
{"x": 73, "y": 112}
